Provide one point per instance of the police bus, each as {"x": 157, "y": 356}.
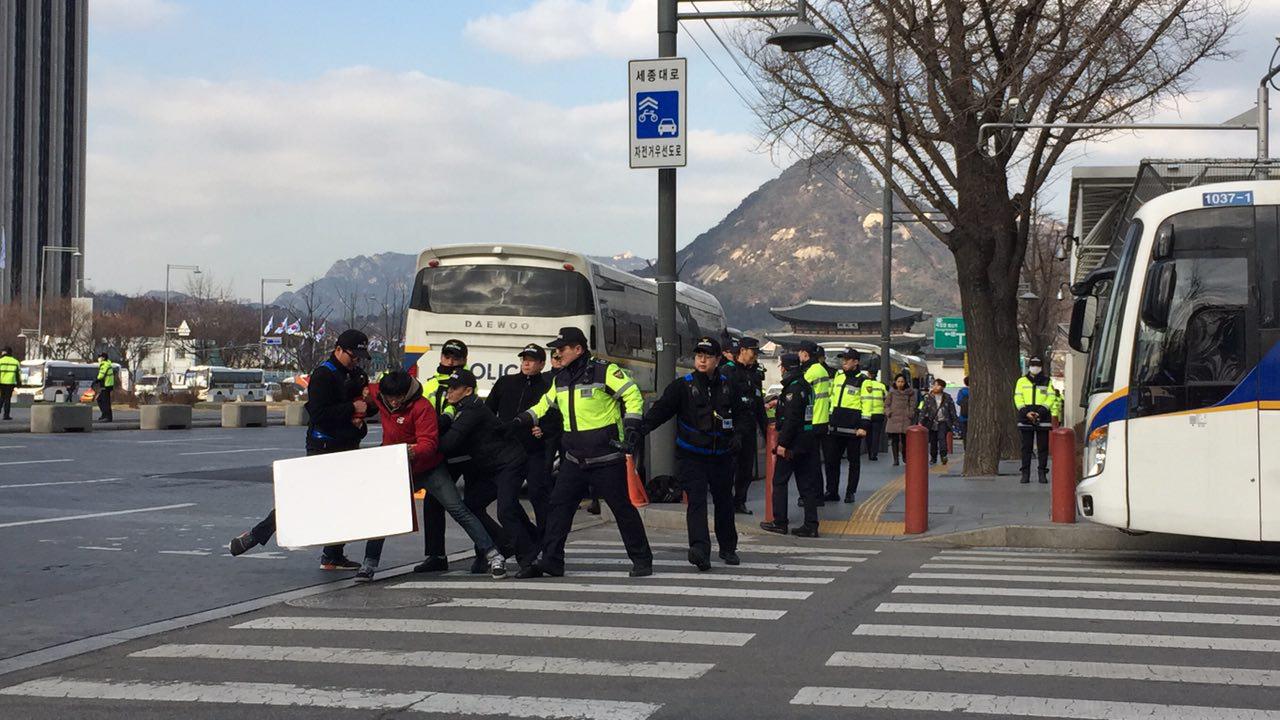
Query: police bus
{"x": 60, "y": 380}
{"x": 213, "y": 383}
{"x": 1182, "y": 433}
{"x": 499, "y": 298}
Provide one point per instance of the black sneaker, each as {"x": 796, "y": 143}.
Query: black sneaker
{"x": 529, "y": 571}
{"x": 1025, "y": 479}
{"x": 365, "y": 573}
{"x": 642, "y": 571}
{"x": 338, "y": 563}
{"x": 848, "y": 498}
{"x": 773, "y": 527}
{"x": 809, "y": 531}
{"x": 480, "y": 565}
{"x": 831, "y": 497}
{"x": 496, "y": 565}
{"x": 433, "y": 563}
{"x": 730, "y": 557}
{"x": 594, "y": 507}
{"x": 241, "y": 544}
{"x": 742, "y": 509}
{"x": 699, "y": 559}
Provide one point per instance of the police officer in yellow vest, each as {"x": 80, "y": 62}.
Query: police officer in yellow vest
{"x": 105, "y": 383}
{"x": 1037, "y": 402}
{"x": 597, "y": 438}
{"x": 453, "y": 356}
{"x": 10, "y": 371}
{"x": 873, "y": 395}
{"x": 816, "y": 373}
{"x": 848, "y": 426}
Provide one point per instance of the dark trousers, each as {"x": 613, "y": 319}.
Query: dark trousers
{"x": 6, "y": 399}
{"x": 519, "y": 530}
{"x": 745, "y": 467}
{"x": 697, "y": 475}
{"x": 478, "y": 493}
{"x": 807, "y": 470}
{"x": 263, "y": 531}
{"x": 938, "y": 442}
{"x": 898, "y": 441}
{"x": 610, "y": 483}
{"x": 537, "y": 476}
{"x": 874, "y": 433}
{"x": 104, "y": 403}
{"x": 1040, "y": 437}
{"x": 837, "y": 447}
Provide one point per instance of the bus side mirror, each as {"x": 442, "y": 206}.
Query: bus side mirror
{"x": 1157, "y": 296}
{"x": 1080, "y": 312}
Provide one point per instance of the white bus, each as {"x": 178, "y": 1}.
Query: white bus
{"x": 499, "y": 298}
{"x": 60, "y": 380}
{"x": 1183, "y": 381}
{"x": 212, "y": 383}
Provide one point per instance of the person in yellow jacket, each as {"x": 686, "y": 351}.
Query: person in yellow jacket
{"x": 848, "y": 426}
{"x": 597, "y": 437}
{"x": 1037, "y": 404}
{"x": 453, "y": 356}
{"x": 104, "y": 384}
{"x": 818, "y": 375}
{"x": 10, "y": 372}
{"x": 873, "y": 396}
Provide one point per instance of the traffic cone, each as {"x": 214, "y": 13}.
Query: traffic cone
{"x": 635, "y": 487}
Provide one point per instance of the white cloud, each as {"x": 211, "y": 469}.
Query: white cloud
{"x": 552, "y": 30}
{"x": 130, "y": 14}
{"x": 253, "y": 178}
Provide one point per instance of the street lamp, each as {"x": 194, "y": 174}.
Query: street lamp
{"x": 262, "y": 308}
{"x": 797, "y": 37}
{"x": 164, "y": 357}
{"x": 44, "y": 267}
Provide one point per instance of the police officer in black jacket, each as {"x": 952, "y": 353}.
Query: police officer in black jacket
{"x": 797, "y": 451}
{"x": 747, "y": 378}
{"x": 512, "y": 395}
{"x": 336, "y": 404}
{"x": 707, "y": 412}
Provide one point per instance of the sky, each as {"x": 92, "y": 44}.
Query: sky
{"x": 269, "y": 139}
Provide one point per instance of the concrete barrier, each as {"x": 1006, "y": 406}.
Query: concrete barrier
{"x": 61, "y": 417}
{"x": 239, "y": 415}
{"x": 296, "y": 415}
{"x": 165, "y": 417}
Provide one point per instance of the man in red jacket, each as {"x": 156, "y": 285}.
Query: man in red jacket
{"x": 408, "y": 419}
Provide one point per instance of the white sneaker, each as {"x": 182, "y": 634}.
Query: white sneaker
{"x": 497, "y": 565}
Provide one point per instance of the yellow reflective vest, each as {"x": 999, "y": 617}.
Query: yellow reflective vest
{"x": 873, "y": 394}
{"x": 106, "y": 374}
{"x": 434, "y": 389}
{"x": 847, "y": 402}
{"x": 1044, "y": 399}
{"x": 588, "y": 399}
{"x": 820, "y": 380}
{"x": 10, "y": 370}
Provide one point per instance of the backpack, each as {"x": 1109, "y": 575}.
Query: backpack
{"x": 663, "y": 489}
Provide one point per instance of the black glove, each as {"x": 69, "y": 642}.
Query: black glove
{"x": 632, "y": 435}
{"x": 442, "y": 423}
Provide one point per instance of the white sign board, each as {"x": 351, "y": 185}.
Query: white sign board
{"x": 344, "y": 496}
{"x": 659, "y": 124}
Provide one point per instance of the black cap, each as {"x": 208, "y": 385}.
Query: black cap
{"x": 533, "y": 350}
{"x": 568, "y": 336}
{"x": 790, "y": 361}
{"x": 707, "y": 345}
{"x": 1035, "y": 361}
{"x": 850, "y": 354}
{"x": 354, "y": 342}
{"x": 748, "y": 343}
{"x": 461, "y": 378}
{"x": 454, "y": 346}
{"x": 810, "y": 347}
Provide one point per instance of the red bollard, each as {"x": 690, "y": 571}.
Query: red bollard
{"x": 1062, "y": 450}
{"x": 951, "y": 443}
{"x": 917, "y": 456}
{"x": 770, "y": 444}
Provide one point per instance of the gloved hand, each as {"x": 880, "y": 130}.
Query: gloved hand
{"x": 632, "y": 435}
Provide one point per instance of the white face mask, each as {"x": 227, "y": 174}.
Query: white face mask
{"x": 1035, "y": 369}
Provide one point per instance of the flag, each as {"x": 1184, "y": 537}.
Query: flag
{"x": 294, "y": 328}
{"x": 267, "y": 330}
{"x": 284, "y": 323}
{"x": 324, "y": 329}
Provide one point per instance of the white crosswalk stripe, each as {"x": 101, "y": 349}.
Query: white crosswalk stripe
{"x": 521, "y": 587}
{"x": 1074, "y": 613}
{"x": 1085, "y": 594}
{"x": 1082, "y": 579}
{"x": 744, "y": 547}
{"x": 781, "y": 567}
{"x": 694, "y": 576}
{"x": 613, "y": 608}
{"x": 1069, "y": 637}
{"x": 1105, "y": 571}
{"x": 829, "y": 563}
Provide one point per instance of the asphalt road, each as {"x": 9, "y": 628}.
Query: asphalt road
{"x": 818, "y": 629}
{"x": 107, "y": 531}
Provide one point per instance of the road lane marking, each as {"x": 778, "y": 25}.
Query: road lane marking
{"x": 97, "y": 547}
{"x": 613, "y": 608}
{"x": 1014, "y": 705}
{"x": 744, "y": 547}
{"x": 11, "y": 447}
{"x": 287, "y": 695}
{"x": 541, "y": 664}
{"x": 694, "y": 576}
{"x": 1106, "y": 571}
{"x": 37, "y": 462}
{"x": 618, "y": 589}
{"x": 230, "y": 452}
{"x": 62, "y": 482}
{"x": 1085, "y": 580}
{"x": 501, "y": 629}
{"x": 730, "y": 568}
{"x": 1080, "y": 614}
{"x": 184, "y": 552}
{"x": 1086, "y": 594}
{"x": 1248, "y": 677}
{"x": 826, "y": 559}
{"x": 1109, "y": 556}
{"x": 1070, "y": 637}
{"x": 201, "y": 439}
{"x": 96, "y": 515}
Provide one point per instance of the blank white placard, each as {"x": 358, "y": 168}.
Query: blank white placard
{"x": 342, "y": 497}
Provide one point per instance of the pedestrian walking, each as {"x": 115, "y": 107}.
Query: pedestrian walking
{"x": 1036, "y": 401}
{"x": 797, "y": 451}
{"x": 10, "y": 373}
{"x": 847, "y": 426}
{"x": 873, "y": 397}
{"x": 938, "y": 415}
{"x": 103, "y": 385}
{"x": 453, "y": 355}
{"x": 336, "y": 405}
{"x": 708, "y": 413}
{"x": 962, "y": 409}
{"x": 597, "y": 437}
{"x": 511, "y": 395}
{"x": 900, "y": 410}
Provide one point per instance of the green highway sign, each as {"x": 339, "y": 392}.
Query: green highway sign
{"x": 949, "y": 334}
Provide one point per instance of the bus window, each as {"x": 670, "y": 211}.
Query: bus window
{"x": 509, "y": 290}
{"x": 1103, "y": 359}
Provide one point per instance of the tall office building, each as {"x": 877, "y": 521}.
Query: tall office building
{"x": 43, "y": 52}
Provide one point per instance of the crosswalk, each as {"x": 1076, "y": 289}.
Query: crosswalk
{"x": 1091, "y": 636}
{"x": 491, "y": 649}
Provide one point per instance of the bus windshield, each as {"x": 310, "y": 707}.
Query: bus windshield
{"x": 1102, "y": 378}
{"x": 509, "y": 290}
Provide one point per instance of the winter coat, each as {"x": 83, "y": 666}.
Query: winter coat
{"x": 513, "y": 394}
{"x": 412, "y": 423}
{"x": 476, "y": 440}
{"x": 330, "y": 394}
{"x": 929, "y": 412}
{"x": 899, "y": 408}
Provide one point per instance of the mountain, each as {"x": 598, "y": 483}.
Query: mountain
{"x": 624, "y": 261}
{"x": 361, "y": 277}
{"x": 814, "y": 232}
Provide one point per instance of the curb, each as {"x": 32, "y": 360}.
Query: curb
{"x": 132, "y": 425}
{"x": 1087, "y": 536}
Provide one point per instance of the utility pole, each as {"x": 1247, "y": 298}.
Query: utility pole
{"x": 668, "y": 344}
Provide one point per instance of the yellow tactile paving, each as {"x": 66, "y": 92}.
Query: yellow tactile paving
{"x": 866, "y": 518}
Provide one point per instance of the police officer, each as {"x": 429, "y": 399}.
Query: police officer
{"x": 818, "y": 375}
{"x": 597, "y": 437}
{"x": 873, "y": 396}
{"x": 708, "y": 412}
{"x": 10, "y": 371}
{"x": 1037, "y": 402}
{"x": 453, "y": 355}
{"x": 748, "y": 383}
{"x": 105, "y": 383}
{"x": 513, "y": 394}
{"x": 848, "y": 426}
{"x": 797, "y": 451}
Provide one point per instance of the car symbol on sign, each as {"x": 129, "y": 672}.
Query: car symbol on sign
{"x": 667, "y": 126}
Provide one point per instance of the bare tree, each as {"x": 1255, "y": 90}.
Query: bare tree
{"x": 394, "y": 309}
{"x": 959, "y": 64}
{"x": 313, "y": 313}
{"x": 1044, "y": 276}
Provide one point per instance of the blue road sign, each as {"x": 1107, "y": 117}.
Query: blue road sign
{"x": 657, "y": 114}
